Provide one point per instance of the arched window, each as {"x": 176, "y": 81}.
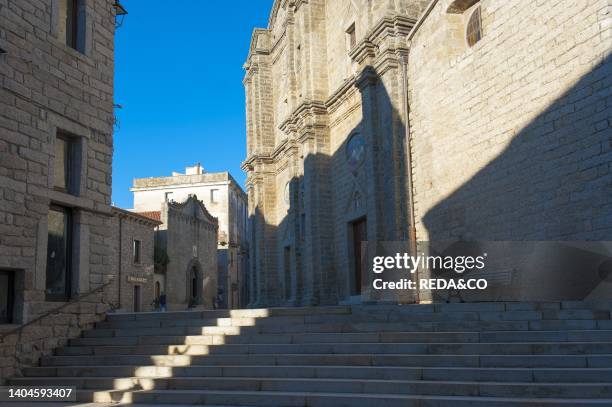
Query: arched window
{"x": 474, "y": 28}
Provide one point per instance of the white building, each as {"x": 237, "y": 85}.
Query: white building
{"x": 225, "y": 200}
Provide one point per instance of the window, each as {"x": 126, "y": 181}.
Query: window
{"x": 7, "y": 295}
{"x": 167, "y": 196}
{"x": 351, "y": 37}
{"x": 59, "y": 254}
{"x": 72, "y": 23}
{"x": 474, "y": 28}
{"x": 137, "y": 251}
{"x": 65, "y": 171}
{"x": 214, "y": 195}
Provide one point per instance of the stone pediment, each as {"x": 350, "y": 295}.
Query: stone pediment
{"x": 192, "y": 207}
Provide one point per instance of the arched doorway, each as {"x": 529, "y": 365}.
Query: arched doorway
{"x": 157, "y": 290}
{"x": 194, "y": 286}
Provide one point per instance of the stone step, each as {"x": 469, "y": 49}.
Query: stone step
{"x": 538, "y": 375}
{"x": 383, "y": 387}
{"x": 345, "y": 337}
{"x": 548, "y": 307}
{"x": 398, "y": 314}
{"x": 123, "y": 346}
{"x": 245, "y": 313}
{"x": 309, "y": 337}
{"x": 123, "y": 328}
{"x": 368, "y": 359}
{"x": 301, "y": 399}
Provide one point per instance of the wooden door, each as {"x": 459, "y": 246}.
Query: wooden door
{"x": 359, "y": 235}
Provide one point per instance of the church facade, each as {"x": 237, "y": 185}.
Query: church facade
{"x": 420, "y": 120}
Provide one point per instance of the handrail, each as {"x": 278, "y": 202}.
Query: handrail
{"x": 55, "y": 310}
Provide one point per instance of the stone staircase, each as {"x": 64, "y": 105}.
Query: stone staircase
{"x": 487, "y": 354}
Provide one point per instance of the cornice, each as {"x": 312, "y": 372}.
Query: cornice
{"x": 308, "y": 108}
{"x": 254, "y": 49}
{"x": 369, "y": 46}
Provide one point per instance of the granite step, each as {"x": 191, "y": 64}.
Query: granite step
{"x": 540, "y": 375}
{"x": 363, "y": 316}
{"x": 368, "y": 359}
{"x": 211, "y": 326}
{"x": 137, "y": 337}
{"x": 270, "y": 313}
{"x": 128, "y": 346}
{"x": 382, "y": 387}
{"x": 301, "y": 399}
{"x": 486, "y": 354}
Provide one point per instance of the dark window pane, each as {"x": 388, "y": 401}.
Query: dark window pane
{"x": 6, "y": 297}
{"x": 58, "y": 255}
{"x": 137, "y": 245}
{"x": 72, "y": 23}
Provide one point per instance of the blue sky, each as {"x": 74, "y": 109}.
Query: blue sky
{"x": 178, "y": 77}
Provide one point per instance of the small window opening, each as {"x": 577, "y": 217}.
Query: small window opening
{"x": 351, "y": 36}
{"x": 137, "y": 251}
{"x": 214, "y": 195}
{"x": 64, "y": 165}
{"x": 474, "y": 28}
{"x": 72, "y": 23}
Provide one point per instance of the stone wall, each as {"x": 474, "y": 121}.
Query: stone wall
{"x": 309, "y": 90}
{"x": 189, "y": 236}
{"x": 511, "y": 138}
{"x": 24, "y": 346}
{"x": 129, "y": 227}
{"x": 229, "y": 207}
{"x": 47, "y": 87}
{"x": 507, "y": 137}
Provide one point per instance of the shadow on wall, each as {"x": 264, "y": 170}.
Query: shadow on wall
{"x": 306, "y": 255}
{"x": 553, "y": 183}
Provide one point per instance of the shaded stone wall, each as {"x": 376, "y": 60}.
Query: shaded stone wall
{"x": 127, "y": 228}
{"x": 28, "y": 344}
{"x": 309, "y": 90}
{"x": 508, "y": 137}
{"x": 511, "y": 137}
{"x": 189, "y": 236}
{"x": 47, "y": 87}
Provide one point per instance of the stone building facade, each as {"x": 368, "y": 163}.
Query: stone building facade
{"x": 225, "y": 200}
{"x": 56, "y": 146}
{"x": 522, "y": 121}
{"x": 134, "y": 260}
{"x": 404, "y": 120}
{"x": 186, "y": 240}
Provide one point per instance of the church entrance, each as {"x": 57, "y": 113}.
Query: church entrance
{"x": 358, "y": 236}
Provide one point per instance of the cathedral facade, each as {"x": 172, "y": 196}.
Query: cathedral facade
{"x": 406, "y": 120}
